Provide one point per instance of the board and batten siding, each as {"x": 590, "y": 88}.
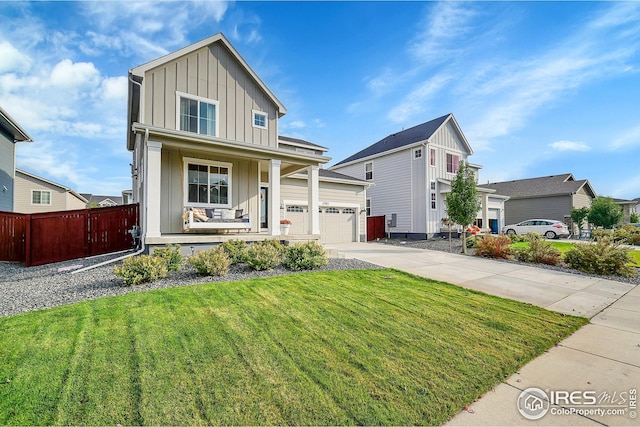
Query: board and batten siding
{"x": 212, "y": 73}
{"x": 244, "y": 186}
{"x": 7, "y": 170}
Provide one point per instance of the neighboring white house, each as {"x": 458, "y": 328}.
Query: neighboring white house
{"x": 412, "y": 171}
{"x": 10, "y": 134}
{"x": 34, "y": 194}
{"x": 203, "y": 129}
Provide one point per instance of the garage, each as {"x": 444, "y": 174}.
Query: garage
{"x": 337, "y": 224}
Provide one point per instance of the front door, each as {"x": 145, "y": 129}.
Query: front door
{"x": 264, "y": 207}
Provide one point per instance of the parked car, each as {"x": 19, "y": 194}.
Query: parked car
{"x": 548, "y": 228}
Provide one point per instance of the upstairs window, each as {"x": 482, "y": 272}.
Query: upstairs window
{"x": 197, "y": 115}
{"x": 417, "y": 153}
{"x": 368, "y": 171}
{"x": 432, "y": 156}
{"x": 259, "y": 119}
{"x": 453, "y": 162}
{"x": 40, "y": 197}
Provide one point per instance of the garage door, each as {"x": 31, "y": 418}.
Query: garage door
{"x": 337, "y": 225}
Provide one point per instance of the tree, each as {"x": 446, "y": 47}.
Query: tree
{"x": 462, "y": 202}
{"x": 578, "y": 216}
{"x": 605, "y": 212}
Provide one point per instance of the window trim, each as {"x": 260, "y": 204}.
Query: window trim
{"x": 455, "y": 165}
{"x": 202, "y": 162}
{"x": 200, "y": 99}
{"x": 41, "y": 192}
{"x": 366, "y": 176}
{"x": 255, "y": 113}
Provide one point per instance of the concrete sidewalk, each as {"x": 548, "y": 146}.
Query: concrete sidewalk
{"x": 602, "y": 357}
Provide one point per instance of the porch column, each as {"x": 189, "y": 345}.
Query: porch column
{"x": 152, "y": 205}
{"x": 485, "y": 211}
{"x": 274, "y": 197}
{"x": 314, "y": 199}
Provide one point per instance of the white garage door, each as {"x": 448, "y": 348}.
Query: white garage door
{"x": 337, "y": 225}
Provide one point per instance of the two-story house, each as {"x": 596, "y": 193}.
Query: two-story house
{"x": 209, "y": 163}
{"x": 412, "y": 171}
{"x": 35, "y": 194}
{"x": 10, "y": 134}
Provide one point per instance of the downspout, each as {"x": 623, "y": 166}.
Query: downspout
{"x": 142, "y": 237}
{"x": 427, "y": 208}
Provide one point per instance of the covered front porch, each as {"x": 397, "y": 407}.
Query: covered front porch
{"x": 209, "y": 174}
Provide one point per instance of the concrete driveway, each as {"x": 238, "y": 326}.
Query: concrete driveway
{"x": 602, "y": 359}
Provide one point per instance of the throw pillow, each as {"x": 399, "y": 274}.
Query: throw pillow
{"x": 228, "y": 214}
{"x": 200, "y": 214}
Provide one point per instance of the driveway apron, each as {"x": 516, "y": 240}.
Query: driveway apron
{"x": 601, "y": 359}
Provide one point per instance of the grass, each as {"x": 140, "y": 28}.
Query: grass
{"x": 370, "y": 347}
{"x": 565, "y": 246}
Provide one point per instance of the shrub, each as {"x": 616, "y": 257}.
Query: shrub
{"x": 264, "y": 255}
{"x": 171, "y": 256}
{"x": 494, "y": 247}
{"x": 305, "y": 256}
{"x": 214, "y": 262}
{"x": 602, "y": 257}
{"x": 471, "y": 241}
{"x": 141, "y": 269}
{"x": 236, "y": 249}
{"x": 517, "y": 238}
{"x": 538, "y": 251}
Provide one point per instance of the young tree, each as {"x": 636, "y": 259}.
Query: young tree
{"x": 578, "y": 216}
{"x": 605, "y": 212}
{"x": 462, "y": 202}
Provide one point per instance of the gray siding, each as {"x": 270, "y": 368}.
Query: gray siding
{"x": 556, "y": 207}
{"x": 7, "y": 168}
{"x": 212, "y": 73}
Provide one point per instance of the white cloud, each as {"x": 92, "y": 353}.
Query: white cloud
{"x": 569, "y": 146}
{"x": 417, "y": 101}
{"x": 115, "y": 88}
{"x": 13, "y": 59}
{"x": 628, "y": 139}
{"x": 69, "y": 75}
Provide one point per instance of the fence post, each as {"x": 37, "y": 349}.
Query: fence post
{"x": 27, "y": 241}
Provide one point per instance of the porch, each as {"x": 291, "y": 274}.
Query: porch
{"x": 191, "y": 243}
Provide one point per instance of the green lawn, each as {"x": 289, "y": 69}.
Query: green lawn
{"x": 372, "y": 347}
{"x": 565, "y": 246}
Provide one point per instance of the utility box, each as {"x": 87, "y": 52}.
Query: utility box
{"x": 393, "y": 221}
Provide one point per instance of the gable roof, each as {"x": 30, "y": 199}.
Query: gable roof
{"x": 553, "y": 185}
{"x": 419, "y": 133}
{"x": 141, "y": 69}
{"x": 331, "y": 176}
{"x": 99, "y": 199}
{"x": 51, "y": 183}
{"x": 13, "y": 128}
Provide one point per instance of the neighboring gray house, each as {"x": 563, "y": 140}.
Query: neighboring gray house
{"x": 548, "y": 197}
{"x": 411, "y": 172}
{"x": 628, "y": 207}
{"x": 10, "y": 133}
{"x": 102, "y": 201}
{"x": 203, "y": 131}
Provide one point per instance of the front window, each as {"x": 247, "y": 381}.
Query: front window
{"x": 40, "y": 197}
{"x": 208, "y": 184}
{"x": 368, "y": 171}
{"x": 197, "y": 115}
{"x": 453, "y": 162}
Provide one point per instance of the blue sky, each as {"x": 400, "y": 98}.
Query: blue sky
{"x": 538, "y": 88}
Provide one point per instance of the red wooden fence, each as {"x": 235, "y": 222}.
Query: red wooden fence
{"x": 375, "y": 228}
{"x": 44, "y": 238}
